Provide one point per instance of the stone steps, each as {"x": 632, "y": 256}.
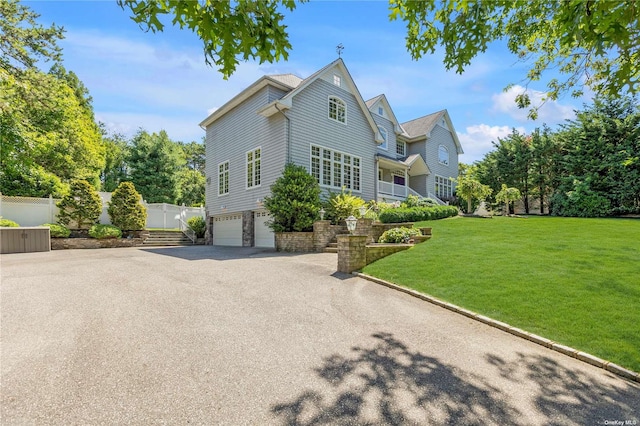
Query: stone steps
{"x": 167, "y": 238}
{"x": 331, "y": 248}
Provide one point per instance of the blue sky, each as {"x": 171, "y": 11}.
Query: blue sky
{"x": 160, "y": 81}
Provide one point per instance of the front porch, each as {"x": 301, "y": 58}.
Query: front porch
{"x": 393, "y": 176}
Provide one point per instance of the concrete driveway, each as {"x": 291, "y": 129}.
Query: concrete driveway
{"x": 204, "y": 335}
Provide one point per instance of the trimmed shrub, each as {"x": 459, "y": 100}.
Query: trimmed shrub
{"x": 100, "y": 232}
{"x": 417, "y": 214}
{"x": 125, "y": 209}
{"x": 294, "y": 202}
{"x": 415, "y": 201}
{"x": 198, "y": 224}
{"x": 57, "y": 230}
{"x": 81, "y": 207}
{"x": 8, "y": 223}
{"x": 398, "y": 235}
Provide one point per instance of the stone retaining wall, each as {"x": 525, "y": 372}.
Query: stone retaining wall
{"x": 92, "y": 243}
{"x": 302, "y": 242}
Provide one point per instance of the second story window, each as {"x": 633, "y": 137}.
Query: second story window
{"x": 223, "y": 178}
{"x": 443, "y": 155}
{"x": 253, "y": 168}
{"x": 401, "y": 148}
{"x": 337, "y": 109}
{"x": 385, "y": 137}
{"x": 336, "y": 80}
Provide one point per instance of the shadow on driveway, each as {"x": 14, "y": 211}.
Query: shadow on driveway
{"x": 205, "y": 252}
{"x": 388, "y": 383}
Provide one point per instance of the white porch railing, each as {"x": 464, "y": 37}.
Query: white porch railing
{"x": 437, "y": 200}
{"x": 186, "y": 230}
{"x": 392, "y": 189}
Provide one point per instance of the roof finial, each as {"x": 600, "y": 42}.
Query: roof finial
{"x": 339, "y": 49}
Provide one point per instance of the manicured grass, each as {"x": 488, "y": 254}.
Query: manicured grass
{"x": 574, "y": 281}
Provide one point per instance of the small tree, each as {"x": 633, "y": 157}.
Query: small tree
{"x": 341, "y": 205}
{"x": 295, "y": 200}
{"x": 470, "y": 189}
{"x": 125, "y": 209}
{"x": 81, "y": 207}
{"x": 507, "y": 196}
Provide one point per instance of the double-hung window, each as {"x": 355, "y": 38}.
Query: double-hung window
{"x": 401, "y": 148}
{"x": 223, "y": 178}
{"x": 253, "y": 168}
{"x": 335, "y": 169}
{"x": 337, "y": 109}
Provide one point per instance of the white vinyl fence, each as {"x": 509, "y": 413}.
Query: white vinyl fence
{"x": 28, "y": 211}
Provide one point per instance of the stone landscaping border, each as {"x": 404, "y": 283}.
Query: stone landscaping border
{"x": 574, "y": 353}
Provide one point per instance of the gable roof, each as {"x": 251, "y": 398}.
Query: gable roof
{"x": 421, "y": 127}
{"x": 382, "y": 98}
{"x": 277, "y": 81}
{"x": 287, "y": 100}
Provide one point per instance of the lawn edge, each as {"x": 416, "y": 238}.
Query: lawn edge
{"x": 565, "y": 350}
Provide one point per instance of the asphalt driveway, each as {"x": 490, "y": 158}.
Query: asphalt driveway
{"x": 205, "y": 335}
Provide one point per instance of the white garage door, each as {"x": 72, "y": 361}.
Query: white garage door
{"x": 262, "y": 233}
{"x": 227, "y": 230}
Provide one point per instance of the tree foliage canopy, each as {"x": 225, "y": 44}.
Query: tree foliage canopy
{"x": 249, "y": 29}
{"x": 589, "y": 42}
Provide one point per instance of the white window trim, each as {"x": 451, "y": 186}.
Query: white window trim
{"x": 329, "y": 109}
{"x": 448, "y": 157}
{"x": 337, "y": 80}
{"x": 385, "y": 136}
{"x": 404, "y": 148}
{"x": 227, "y": 172}
{"x": 246, "y": 168}
{"x": 342, "y": 154}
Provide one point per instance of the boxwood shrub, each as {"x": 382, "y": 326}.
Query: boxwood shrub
{"x": 398, "y": 235}
{"x": 417, "y": 214}
{"x": 104, "y": 231}
{"x": 198, "y": 225}
{"x": 58, "y": 231}
{"x": 8, "y": 223}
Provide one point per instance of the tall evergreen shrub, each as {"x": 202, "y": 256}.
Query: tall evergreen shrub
{"x": 125, "y": 209}
{"x": 294, "y": 202}
{"x": 81, "y": 207}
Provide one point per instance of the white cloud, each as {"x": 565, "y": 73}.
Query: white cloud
{"x": 551, "y": 112}
{"x": 478, "y": 138}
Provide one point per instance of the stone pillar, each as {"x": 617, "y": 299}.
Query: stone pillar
{"x": 248, "y": 236}
{"x": 322, "y": 234}
{"x": 352, "y": 252}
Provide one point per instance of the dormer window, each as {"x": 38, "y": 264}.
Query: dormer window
{"x": 443, "y": 155}
{"x": 336, "y": 80}
{"x": 337, "y": 109}
{"x": 385, "y": 137}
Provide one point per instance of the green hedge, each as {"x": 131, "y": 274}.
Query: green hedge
{"x": 104, "y": 231}
{"x": 57, "y": 230}
{"x": 198, "y": 225}
{"x": 417, "y": 214}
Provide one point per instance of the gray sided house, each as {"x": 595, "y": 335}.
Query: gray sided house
{"x": 323, "y": 124}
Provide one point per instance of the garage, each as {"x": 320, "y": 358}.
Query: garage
{"x": 227, "y": 230}
{"x": 263, "y": 234}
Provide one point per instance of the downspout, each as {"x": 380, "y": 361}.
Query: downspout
{"x": 288, "y": 132}
{"x": 377, "y": 171}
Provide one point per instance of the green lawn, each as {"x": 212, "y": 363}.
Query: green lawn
{"x": 574, "y": 281}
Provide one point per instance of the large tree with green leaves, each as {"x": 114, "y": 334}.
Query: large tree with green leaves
{"x": 588, "y": 42}
{"x": 155, "y": 163}
{"x": 600, "y": 160}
